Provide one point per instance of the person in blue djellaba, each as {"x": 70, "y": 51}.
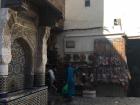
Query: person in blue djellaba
{"x": 71, "y": 80}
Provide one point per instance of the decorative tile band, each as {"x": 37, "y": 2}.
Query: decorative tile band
{"x": 39, "y": 80}
{"x": 32, "y": 97}
{"x": 13, "y": 83}
{"x": 3, "y": 86}
{"x": 3, "y": 83}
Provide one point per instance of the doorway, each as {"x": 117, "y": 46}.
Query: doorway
{"x": 133, "y": 57}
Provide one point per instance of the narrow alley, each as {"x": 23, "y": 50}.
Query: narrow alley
{"x": 69, "y": 52}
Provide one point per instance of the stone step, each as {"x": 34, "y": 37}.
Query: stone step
{"x": 89, "y": 94}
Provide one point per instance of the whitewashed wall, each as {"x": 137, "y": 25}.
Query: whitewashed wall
{"x": 79, "y": 16}
{"x": 101, "y": 13}
{"x": 82, "y": 44}
{"x": 84, "y": 41}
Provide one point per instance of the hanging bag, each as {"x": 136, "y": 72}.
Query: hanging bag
{"x": 65, "y": 89}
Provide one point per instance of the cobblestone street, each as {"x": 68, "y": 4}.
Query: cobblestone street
{"x": 101, "y": 101}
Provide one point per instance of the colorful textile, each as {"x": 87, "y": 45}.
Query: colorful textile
{"x": 70, "y": 81}
{"x": 65, "y": 89}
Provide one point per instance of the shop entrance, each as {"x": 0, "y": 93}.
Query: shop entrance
{"x": 133, "y": 57}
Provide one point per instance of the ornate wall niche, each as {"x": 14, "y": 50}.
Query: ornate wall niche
{"x": 19, "y": 34}
{"x": 20, "y": 66}
{"x": 28, "y": 34}
{"x": 23, "y": 47}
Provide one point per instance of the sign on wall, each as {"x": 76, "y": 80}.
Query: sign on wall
{"x": 10, "y": 3}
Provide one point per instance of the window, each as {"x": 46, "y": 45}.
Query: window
{"x": 70, "y": 44}
{"x": 87, "y": 3}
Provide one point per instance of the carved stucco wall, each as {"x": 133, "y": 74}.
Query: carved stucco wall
{"x": 16, "y": 67}
{"x": 22, "y": 29}
{"x": 15, "y": 25}
{"x": 41, "y": 55}
{"x": 5, "y": 48}
{"x": 19, "y": 25}
{"x": 45, "y": 39}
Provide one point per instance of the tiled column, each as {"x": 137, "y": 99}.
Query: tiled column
{"x": 5, "y": 57}
{"x": 5, "y": 51}
{"x": 39, "y": 78}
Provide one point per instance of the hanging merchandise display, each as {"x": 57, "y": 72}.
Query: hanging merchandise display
{"x": 110, "y": 61}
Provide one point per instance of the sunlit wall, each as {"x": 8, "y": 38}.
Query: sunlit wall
{"x": 101, "y": 13}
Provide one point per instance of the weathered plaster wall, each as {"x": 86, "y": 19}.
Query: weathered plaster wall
{"x": 84, "y": 24}
{"x": 79, "y": 16}
{"x": 84, "y": 40}
{"x": 101, "y": 13}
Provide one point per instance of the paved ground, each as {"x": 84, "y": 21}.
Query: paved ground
{"x": 99, "y": 101}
